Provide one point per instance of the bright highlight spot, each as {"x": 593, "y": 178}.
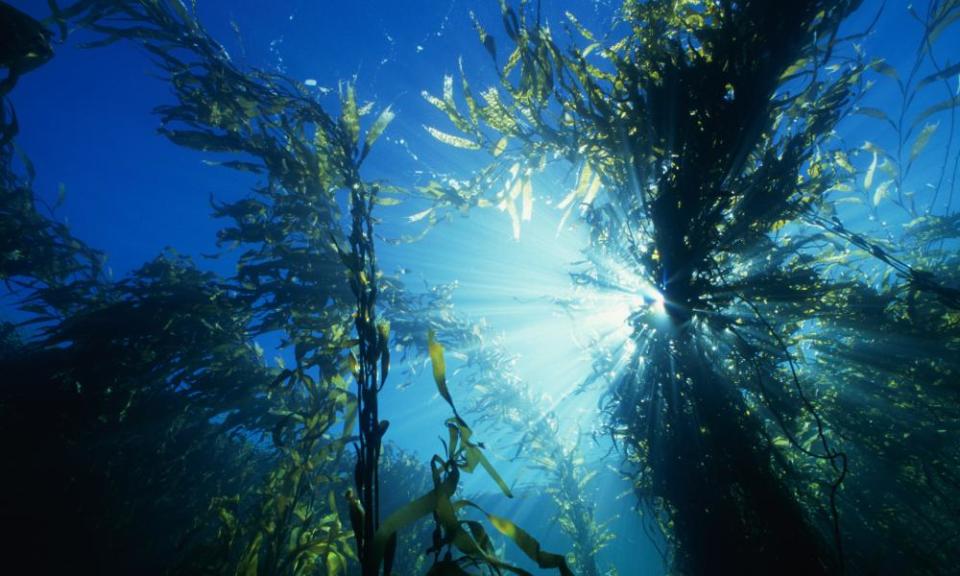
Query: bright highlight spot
{"x": 658, "y": 306}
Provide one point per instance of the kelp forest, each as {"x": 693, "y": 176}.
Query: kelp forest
{"x": 749, "y": 208}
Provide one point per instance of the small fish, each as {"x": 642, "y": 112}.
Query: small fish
{"x": 24, "y": 44}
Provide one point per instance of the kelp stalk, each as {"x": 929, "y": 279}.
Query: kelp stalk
{"x": 371, "y": 373}
{"x": 689, "y": 152}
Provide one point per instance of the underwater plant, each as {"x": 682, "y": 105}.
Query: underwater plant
{"x": 25, "y": 45}
{"x": 451, "y": 531}
{"x": 37, "y": 253}
{"x": 787, "y": 400}
{"x": 288, "y": 428}
{"x": 502, "y": 400}
{"x": 698, "y": 135}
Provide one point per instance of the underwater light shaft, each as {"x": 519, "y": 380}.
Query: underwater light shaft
{"x": 686, "y": 269}
{"x": 522, "y": 289}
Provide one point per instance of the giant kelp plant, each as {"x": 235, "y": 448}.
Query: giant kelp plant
{"x": 186, "y": 394}
{"x": 787, "y": 403}
{"x": 704, "y": 142}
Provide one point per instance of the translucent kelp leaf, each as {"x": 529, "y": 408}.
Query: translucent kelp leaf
{"x": 941, "y": 75}
{"x": 527, "y": 200}
{"x": 795, "y": 68}
{"x": 588, "y": 185}
{"x": 590, "y": 48}
{"x": 495, "y": 113}
{"x": 335, "y": 564}
{"x": 448, "y": 91}
{"x": 841, "y": 159}
{"x": 410, "y": 513}
{"x": 868, "y": 178}
{"x": 350, "y": 116}
{"x": 377, "y": 129}
{"x": 419, "y": 215}
{"x": 881, "y": 192}
{"x": 580, "y": 27}
{"x": 922, "y": 140}
{"x": 468, "y": 94}
{"x": 875, "y": 113}
{"x": 943, "y": 24}
{"x": 885, "y": 69}
{"x": 583, "y": 183}
{"x": 365, "y": 109}
{"x": 512, "y": 61}
{"x": 433, "y": 100}
{"x": 512, "y": 191}
{"x": 938, "y": 107}
{"x": 510, "y": 206}
{"x": 500, "y": 146}
{"x": 435, "y": 350}
{"x": 450, "y": 139}
{"x": 449, "y": 106}
{"x": 474, "y": 455}
{"x": 592, "y": 191}
{"x": 182, "y": 11}
{"x": 529, "y": 545}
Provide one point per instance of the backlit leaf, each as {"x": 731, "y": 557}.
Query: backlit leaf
{"x": 435, "y": 351}
{"x": 841, "y": 159}
{"x": 885, "y": 69}
{"x": 500, "y": 147}
{"x": 350, "y": 116}
{"x": 527, "y": 199}
{"x": 944, "y": 74}
{"x": 529, "y": 545}
{"x": 868, "y": 179}
{"x": 377, "y": 129}
{"x": 922, "y": 140}
{"x": 941, "y": 106}
{"x": 450, "y": 139}
{"x": 881, "y": 192}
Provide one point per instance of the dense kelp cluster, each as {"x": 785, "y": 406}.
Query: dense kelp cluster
{"x": 703, "y": 140}
{"x": 186, "y": 390}
{"x": 787, "y": 400}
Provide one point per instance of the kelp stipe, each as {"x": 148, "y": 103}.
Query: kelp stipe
{"x": 619, "y": 125}
{"x": 809, "y": 368}
{"x": 693, "y": 152}
{"x": 283, "y": 514}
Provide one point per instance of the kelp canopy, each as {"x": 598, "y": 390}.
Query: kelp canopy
{"x": 786, "y": 400}
{"x": 707, "y": 157}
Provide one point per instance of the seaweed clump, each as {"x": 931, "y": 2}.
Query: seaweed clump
{"x": 790, "y": 377}
{"x": 703, "y": 139}
{"x": 157, "y": 385}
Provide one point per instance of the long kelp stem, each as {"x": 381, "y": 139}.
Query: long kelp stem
{"x": 369, "y": 375}
{"x": 694, "y": 129}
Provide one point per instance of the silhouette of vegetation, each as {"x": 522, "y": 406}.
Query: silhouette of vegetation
{"x": 165, "y": 363}
{"x": 702, "y": 136}
{"x": 787, "y": 401}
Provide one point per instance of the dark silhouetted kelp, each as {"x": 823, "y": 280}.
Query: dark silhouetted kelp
{"x": 699, "y": 133}
{"x": 206, "y": 394}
